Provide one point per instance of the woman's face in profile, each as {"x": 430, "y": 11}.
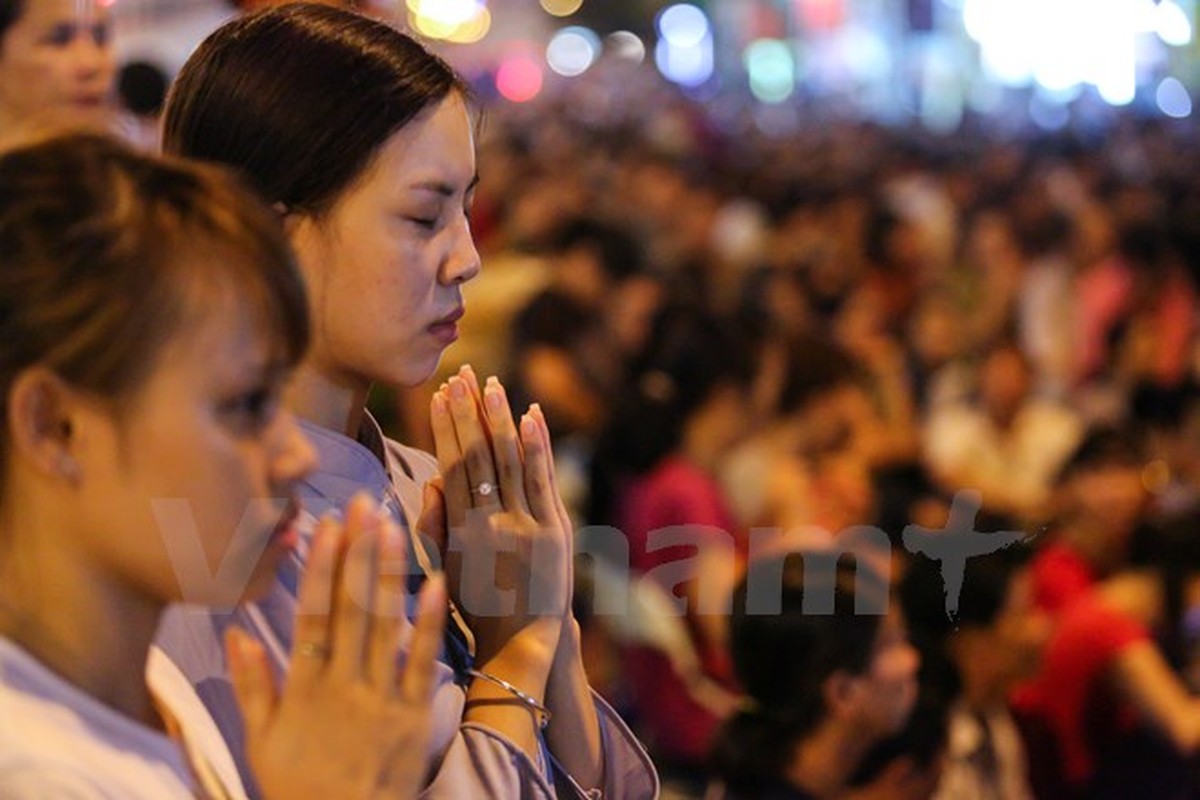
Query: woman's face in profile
{"x": 385, "y": 266}
{"x": 189, "y": 494}
{"x": 56, "y": 59}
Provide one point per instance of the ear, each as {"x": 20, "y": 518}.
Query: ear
{"x": 307, "y": 237}
{"x": 42, "y": 424}
{"x": 289, "y": 219}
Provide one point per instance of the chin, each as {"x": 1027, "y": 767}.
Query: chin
{"x": 415, "y": 372}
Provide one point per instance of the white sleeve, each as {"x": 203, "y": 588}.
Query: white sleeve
{"x": 41, "y": 781}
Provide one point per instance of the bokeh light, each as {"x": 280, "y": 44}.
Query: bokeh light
{"x": 627, "y": 46}
{"x": 1060, "y": 44}
{"x": 519, "y": 78}
{"x": 572, "y": 50}
{"x": 684, "y": 53}
{"x": 1173, "y": 99}
{"x": 458, "y": 21}
{"x": 472, "y": 30}
{"x": 1172, "y": 25}
{"x": 771, "y": 69}
{"x": 683, "y": 25}
{"x": 561, "y": 8}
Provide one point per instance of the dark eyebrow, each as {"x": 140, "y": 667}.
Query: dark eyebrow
{"x": 443, "y": 188}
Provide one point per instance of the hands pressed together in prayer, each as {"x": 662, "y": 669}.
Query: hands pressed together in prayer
{"x": 349, "y": 722}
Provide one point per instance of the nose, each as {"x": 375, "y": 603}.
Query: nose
{"x": 463, "y": 262}
{"x": 295, "y": 457}
{"x": 91, "y": 53}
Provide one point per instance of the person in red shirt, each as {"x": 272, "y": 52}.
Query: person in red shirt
{"x": 1101, "y": 501}
{"x": 1116, "y": 715}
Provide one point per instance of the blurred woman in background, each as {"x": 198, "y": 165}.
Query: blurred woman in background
{"x": 655, "y": 473}
{"x": 56, "y": 61}
{"x": 822, "y": 688}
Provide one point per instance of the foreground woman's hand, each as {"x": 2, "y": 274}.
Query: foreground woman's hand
{"x": 537, "y": 648}
{"x": 495, "y": 516}
{"x": 349, "y": 723}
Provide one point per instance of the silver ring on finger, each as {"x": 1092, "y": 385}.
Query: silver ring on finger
{"x": 318, "y": 650}
{"x": 484, "y": 488}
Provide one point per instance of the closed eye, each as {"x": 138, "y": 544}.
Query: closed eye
{"x": 60, "y": 35}
{"x": 249, "y": 413}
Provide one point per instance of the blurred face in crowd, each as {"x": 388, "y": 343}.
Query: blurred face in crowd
{"x": 884, "y": 695}
{"x": 385, "y": 266}
{"x": 1004, "y": 385}
{"x": 56, "y": 60}
{"x": 1106, "y": 501}
{"x": 630, "y": 312}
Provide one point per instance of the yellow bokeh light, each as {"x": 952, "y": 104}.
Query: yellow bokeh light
{"x": 432, "y": 27}
{"x": 561, "y": 8}
{"x": 473, "y": 30}
{"x": 459, "y": 22}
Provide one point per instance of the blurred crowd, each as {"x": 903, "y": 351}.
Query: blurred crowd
{"x": 734, "y": 326}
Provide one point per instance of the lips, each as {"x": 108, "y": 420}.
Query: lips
{"x": 445, "y": 329}
{"x": 284, "y": 533}
{"x": 452, "y": 318}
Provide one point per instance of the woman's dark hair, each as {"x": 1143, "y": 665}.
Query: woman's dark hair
{"x": 10, "y": 12}
{"x": 106, "y": 254}
{"x": 1104, "y": 446}
{"x": 300, "y": 98}
{"x": 690, "y": 354}
{"x": 783, "y": 658}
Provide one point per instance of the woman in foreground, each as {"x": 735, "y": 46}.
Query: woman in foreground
{"x": 364, "y": 143}
{"x": 150, "y": 314}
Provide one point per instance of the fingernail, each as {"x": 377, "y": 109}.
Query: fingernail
{"x": 528, "y": 427}
{"x": 438, "y": 404}
{"x": 458, "y": 389}
{"x": 390, "y": 535}
{"x": 491, "y": 396}
{"x": 239, "y": 650}
{"x": 434, "y": 594}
